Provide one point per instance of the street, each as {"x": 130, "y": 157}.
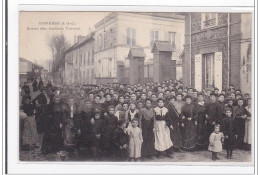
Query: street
{"x": 197, "y": 156}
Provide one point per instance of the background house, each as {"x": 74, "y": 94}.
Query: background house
{"x": 28, "y": 70}
{"x": 120, "y": 31}
{"x": 79, "y": 61}
{"x": 217, "y": 50}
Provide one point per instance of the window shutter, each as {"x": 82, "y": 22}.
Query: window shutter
{"x": 218, "y": 70}
{"x": 198, "y": 72}
{"x": 133, "y": 37}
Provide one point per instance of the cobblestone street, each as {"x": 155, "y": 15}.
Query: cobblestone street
{"x": 197, "y": 156}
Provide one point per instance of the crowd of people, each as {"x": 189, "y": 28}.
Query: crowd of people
{"x": 130, "y": 122}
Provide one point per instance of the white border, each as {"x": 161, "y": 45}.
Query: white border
{"x": 14, "y": 167}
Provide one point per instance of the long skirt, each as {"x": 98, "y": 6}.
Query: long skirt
{"x": 176, "y": 136}
{"x": 162, "y": 136}
{"x": 203, "y": 136}
{"x": 30, "y": 134}
{"x": 148, "y": 137}
{"x": 248, "y": 132}
{"x": 189, "y": 139}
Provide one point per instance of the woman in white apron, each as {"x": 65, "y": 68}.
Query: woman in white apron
{"x": 161, "y": 130}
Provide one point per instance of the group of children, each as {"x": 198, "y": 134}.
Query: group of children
{"x": 128, "y": 122}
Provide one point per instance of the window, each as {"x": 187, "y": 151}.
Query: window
{"x": 93, "y": 54}
{"x": 101, "y": 42}
{"x": 88, "y": 57}
{"x": 84, "y": 59}
{"x": 209, "y": 70}
{"x": 80, "y": 61}
{"x": 209, "y": 19}
{"x": 130, "y": 37}
{"x": 172, "y": 39}
{"x": 106, "y": 40}
{"x": 110, "y": 67}
{"x": 154, "y": 35}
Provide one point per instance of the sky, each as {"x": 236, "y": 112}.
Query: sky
{"x": 37, "y": 27}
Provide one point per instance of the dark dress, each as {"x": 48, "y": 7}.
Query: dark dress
{"x": 146, "y": 123}
{"x": 95, "y": 142}
{"x": 189, "y": 135}
{"x": 238, "y": 112}
{"x": 214, "y": 112}
{"x": 202, "y": 127}
{"x": 120, "y": 138}
{"x": 174, "y": 120}
{"x": 85, "y": 127}
{"x": 110, "y": 123}
{"x": 42, "y": 111}
{"x": 52, "y": 141}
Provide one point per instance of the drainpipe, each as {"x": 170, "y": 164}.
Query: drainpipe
{"x": 228, "y": 56}
{"x": 190, "y": 50}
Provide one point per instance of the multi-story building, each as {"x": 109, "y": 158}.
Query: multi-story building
{"x": 28, "y": 70}
{"x": 79, "y": 61}
{"x": 217, "y": 50}
{"x": 120, "y": 31}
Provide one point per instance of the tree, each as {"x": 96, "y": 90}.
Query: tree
{"x": 58, "y": 45}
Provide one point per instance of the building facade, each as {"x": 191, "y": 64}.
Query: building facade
{"x": 217, "y": 50}
{"x": 79, "y": 61}
{"x": 28, "y": 70}
{"x": 120, "y": 31}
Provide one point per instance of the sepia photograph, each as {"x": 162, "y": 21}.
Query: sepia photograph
{"x": 135, "y": 86}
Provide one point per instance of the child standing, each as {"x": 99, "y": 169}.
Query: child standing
{"x": 215, "y": 142}
{"x": 135, "y": 140}
{"x": 229, "y": 130}
{"x": 95, "y": 132}
{"x": 120, "y": 141}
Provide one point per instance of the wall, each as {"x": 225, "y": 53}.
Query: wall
{"x": 246, "y": 56}
{"x": 211, "y": 40}
{"x": 143, "y": 24}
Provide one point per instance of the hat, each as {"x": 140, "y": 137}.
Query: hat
{"x": 213, "y": 94}
{"x": 160, "y": 99}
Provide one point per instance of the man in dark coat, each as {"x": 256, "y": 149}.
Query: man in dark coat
{"x": 240, "y": 117}
{"x": 214, "y": 113}
{"x": 26, "y": 88}
{"x": 43, "y": 102}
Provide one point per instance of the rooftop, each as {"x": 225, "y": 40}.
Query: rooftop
{"x": 81, "y": 43}
{"x": 162, "y": 46}
{"x": 137, "y": 52}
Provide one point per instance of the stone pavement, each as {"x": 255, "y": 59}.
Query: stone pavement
{"x": 197, "y": 156}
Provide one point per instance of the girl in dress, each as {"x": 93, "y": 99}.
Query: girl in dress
{"x": 162, "y": 132}
{"x": 215, "y": 142}
{"x": 146, "y": 123}
{"x": 135, "y": 140}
